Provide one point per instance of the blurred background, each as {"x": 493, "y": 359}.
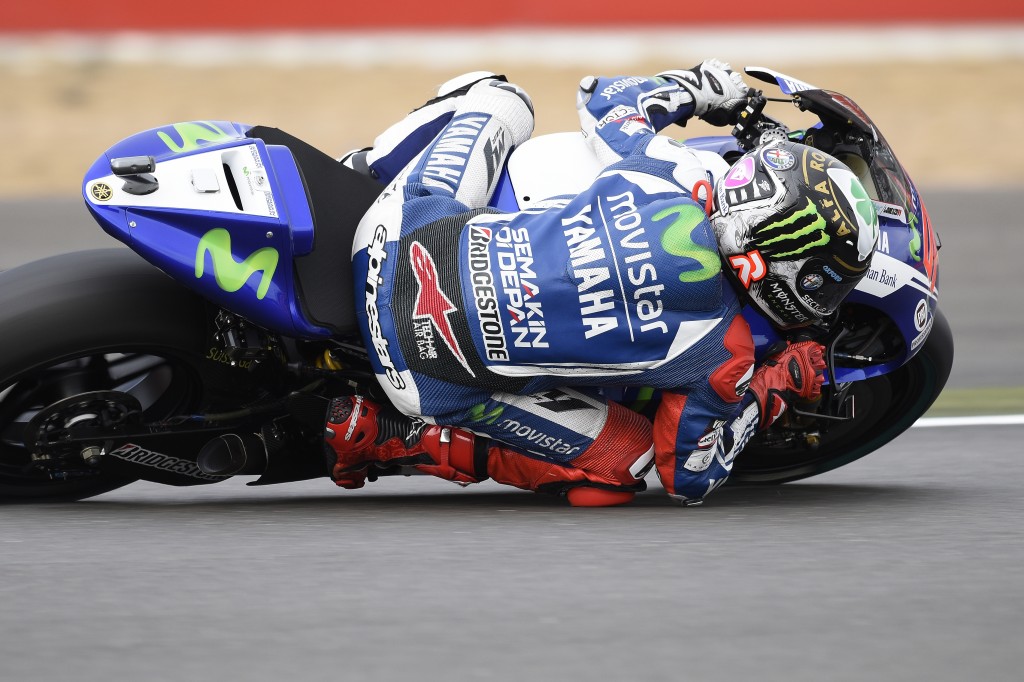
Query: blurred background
{"x": 943, "y": 82}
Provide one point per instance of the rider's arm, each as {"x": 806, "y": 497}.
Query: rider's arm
{"x": 699, "y": 433}
{"x": 700, "y": 428}
{"x": 619, "y": 114}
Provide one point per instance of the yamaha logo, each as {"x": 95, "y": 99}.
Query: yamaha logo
{"x": 101, "y": 191}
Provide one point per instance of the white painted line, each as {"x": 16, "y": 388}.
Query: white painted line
{"x": 587, "y": 49}
{"x": 992, "y": 420}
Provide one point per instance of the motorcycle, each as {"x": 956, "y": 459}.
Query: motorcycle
{"x": 233, "y": 323}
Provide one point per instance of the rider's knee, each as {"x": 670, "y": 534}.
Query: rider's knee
{"x": 623, "y": 452}
{"x": 507, "y": 103}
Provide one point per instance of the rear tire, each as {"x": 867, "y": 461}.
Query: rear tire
{"x": 90, "y": 321}
{"x": 886, "y": 406}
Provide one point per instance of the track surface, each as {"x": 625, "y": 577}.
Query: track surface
{"x": 902, "y": 566}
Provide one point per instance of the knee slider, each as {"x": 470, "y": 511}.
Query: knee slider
{"x": 624, "y": 450}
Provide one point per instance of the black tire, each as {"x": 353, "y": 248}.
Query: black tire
{"x": 886, "y": 406}
{"x": 73, "y": 323}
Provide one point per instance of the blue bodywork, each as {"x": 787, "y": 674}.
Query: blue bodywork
{"x": 192, "y": 245}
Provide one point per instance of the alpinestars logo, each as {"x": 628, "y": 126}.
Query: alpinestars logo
{"x": 431, "y": 302}
{"x": 802, "y": 231}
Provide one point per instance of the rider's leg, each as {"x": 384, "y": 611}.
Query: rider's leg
{"x": 566, "y": 441}
{"x": 464, "y": 161}
{"x": 398, "y": 145}
{"x": 602, "y": 470}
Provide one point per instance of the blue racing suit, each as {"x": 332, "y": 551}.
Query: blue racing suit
{"x": 512, "y": 325}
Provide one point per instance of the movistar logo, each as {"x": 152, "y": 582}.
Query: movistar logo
{"x": 231, "y": 275}
{"x": 192, "y": 133}
{"x": 677, "y": 239}
{"x": 802, "y": 231}
{"x": 915, "y": 239}
{"x": 479, "y": 413}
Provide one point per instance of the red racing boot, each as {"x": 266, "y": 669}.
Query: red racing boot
{"x": 362, "y": 434}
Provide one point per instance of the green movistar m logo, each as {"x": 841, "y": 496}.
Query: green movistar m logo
{"x": 232, "y": 275}
{"x": 677, "y": 239}
{"x": 479, "y": 413}
{"x": 800, "y": 232}
{"x": 192, "y": 133}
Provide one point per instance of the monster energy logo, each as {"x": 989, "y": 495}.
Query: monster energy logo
{"x": 230, "y": 274}
{"x": 192, "y": 133}
{"x": 801, "y": 231}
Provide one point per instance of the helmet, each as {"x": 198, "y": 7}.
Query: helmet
{"x": 796, "y": 230}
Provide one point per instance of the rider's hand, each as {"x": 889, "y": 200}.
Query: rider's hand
{"x": 795, "y": 373}
{"x": 719, "y": 93}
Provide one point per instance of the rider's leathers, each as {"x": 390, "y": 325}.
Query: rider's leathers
{"x": 480, "y": 319}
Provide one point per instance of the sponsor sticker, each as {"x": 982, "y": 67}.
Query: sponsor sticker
{"x": 699, "y": 460}
{"x": 750, "y": 267}
{"x": 812, "y": 281}
{"x": 622, "y": 84}
{"x": 520, "y": 286}
{"x": 431, "y": 302}
{"x": 707, "y": 440}
{"x": 832, "y": 273}
{"x": 130, "y": 452}
{"x": 891, "y": 211}
{"x": 617, "y": 114}
{"x": 229, "y": 274}
{"x": 378, "y": 255}
{"x": 485, "y": 295}
{"x": 923, "y": 321}
{"x": 101, "y": 191}
{"x": 549, "y": 443}
{"x": 741, "y": 174}
{"x": 634, "y": 125}
{"x": 921, "y": 314}
{"x": 778, "y": 159}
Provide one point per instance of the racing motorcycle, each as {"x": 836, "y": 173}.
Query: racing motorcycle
{"x": 234, "y": 323}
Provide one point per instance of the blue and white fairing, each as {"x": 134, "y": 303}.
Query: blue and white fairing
{"x": 227, "y": 219}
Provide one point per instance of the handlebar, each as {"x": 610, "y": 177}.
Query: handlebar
{"x": 752, "y": 124}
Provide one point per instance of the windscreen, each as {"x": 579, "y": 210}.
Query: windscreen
{"x": 850, "y": 135}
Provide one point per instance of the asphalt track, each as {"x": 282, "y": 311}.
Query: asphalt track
{"x": 902, "y": 566}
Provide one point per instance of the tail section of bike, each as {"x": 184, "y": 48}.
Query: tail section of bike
{"x": 251, "y": 218}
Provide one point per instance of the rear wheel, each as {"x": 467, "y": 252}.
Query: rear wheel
{"x": 89, "y": 338}
{"x": 886, "y": 406}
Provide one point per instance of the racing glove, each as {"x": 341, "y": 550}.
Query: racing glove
{"x": 795, "y": 373}
{"x": 718, "y": 92}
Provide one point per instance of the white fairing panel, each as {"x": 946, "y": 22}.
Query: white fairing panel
{"x": 552, "y": 165}
{"x": 563, "y": 164}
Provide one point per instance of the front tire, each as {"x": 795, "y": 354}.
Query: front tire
{"x": 886, "y": 406}
{"x": 90, "y": 321}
